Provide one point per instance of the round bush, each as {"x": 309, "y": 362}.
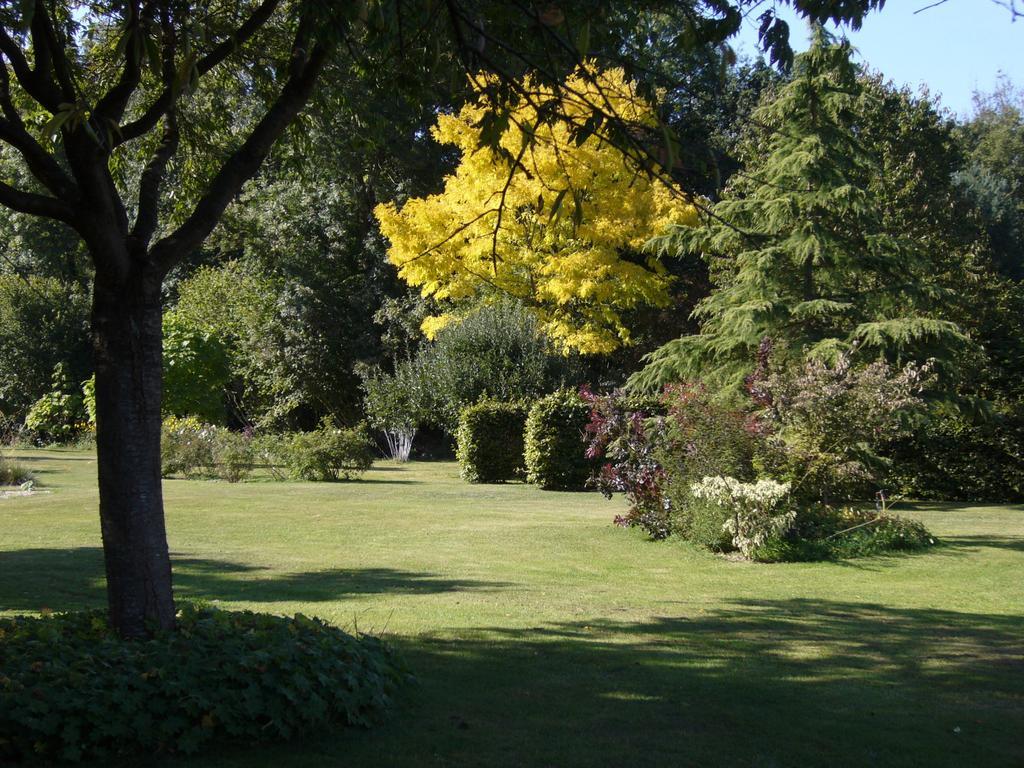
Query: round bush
{"x": 70, "y": 689}
{"x": 490, "y": 442}
{"x": 330, "y": 453}
{"x": 555, "y": 449}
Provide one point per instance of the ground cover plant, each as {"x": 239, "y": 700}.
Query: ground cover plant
{"x": 72, "y": 690}
{"x": 592, "y": 645}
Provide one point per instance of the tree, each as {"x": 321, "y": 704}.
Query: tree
{"x": 993, "y": 176}
{"x": 110, "y": 80}
{"x": 803, "y": 250}
{"x": 551, "y": 215}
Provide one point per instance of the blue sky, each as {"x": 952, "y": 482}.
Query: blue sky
{"x": 954, "y": 48}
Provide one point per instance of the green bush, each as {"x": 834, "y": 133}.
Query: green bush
{"x": 186, "y": 447}
{"x": 555, "y": 448}
{"x": 70, "y": 689}
{"x": 951, "y": 457}
{"x": 233, "y": 455}
{"x": 821, "y": 532}
{"x": 330, "y": 453}
{"x": 197, "y": 370}
{"x": 699, "y": 521}
{"x": 43, "y": 322}
{"x": 490, "y": 441}
{"x": 59, "y": 415}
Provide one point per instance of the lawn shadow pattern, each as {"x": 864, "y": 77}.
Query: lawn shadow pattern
{"x": 73, "y": 579}
{"x": 796, "y": 682}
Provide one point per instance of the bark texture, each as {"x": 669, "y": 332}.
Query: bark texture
{"x": 126, "y": 326}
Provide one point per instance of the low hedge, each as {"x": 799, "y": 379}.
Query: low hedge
{"x": 555, "y": 450}
{"x": 490, "y": 442}
{"x": 192, "y": 449}
{"x": 71, "y": 690}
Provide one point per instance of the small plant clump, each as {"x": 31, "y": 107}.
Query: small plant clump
{"x": 71, "y": 689}
{"x": 13, "y": 473}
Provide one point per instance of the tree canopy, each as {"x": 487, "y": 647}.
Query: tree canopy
{"x": 802, "y": 249}
{"x": 550, "y": 215}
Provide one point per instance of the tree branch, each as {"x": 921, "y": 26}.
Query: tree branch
{"x": 40, "y": 162}
{"x": 46, "y": 93}
{"x": 113, "y": 103}
{"x": 149, "y": 119}
{"x": 153, "y": 175}
{"x": 35, "y": 205}
{"x": 50, "y": 54}
{"x": 243, "y": 164}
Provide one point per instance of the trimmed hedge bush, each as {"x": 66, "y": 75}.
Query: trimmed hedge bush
{"x": 555, "y": 448}
{"x": 952, "y": 458}
{"x": 490, "y": 442}
{"x": 70, "y": 689}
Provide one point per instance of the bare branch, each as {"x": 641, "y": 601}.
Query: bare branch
{"x": 45, "y": 92}
{"x": 50, "y": 54}
{"x": 153, "y": 175}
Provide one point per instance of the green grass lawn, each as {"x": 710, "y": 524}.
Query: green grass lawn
{"x": 542, "y": 635}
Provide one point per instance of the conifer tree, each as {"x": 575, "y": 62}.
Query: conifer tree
{"x": 799, "y": 248}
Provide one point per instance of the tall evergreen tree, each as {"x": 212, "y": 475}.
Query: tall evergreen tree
{"x": 799, "y": 247}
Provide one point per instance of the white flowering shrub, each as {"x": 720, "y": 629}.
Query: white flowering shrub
{"x": 753, "y": 509}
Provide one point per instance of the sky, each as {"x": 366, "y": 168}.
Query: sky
{"x": 954, "y": 48}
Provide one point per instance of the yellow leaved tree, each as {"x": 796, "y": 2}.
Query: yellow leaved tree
{"x": 554, "y": 217}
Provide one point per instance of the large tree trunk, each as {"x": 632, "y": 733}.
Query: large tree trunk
{"x": 127, "y": 339}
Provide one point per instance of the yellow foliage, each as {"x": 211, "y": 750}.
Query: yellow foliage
{"x": 495, "y": 229}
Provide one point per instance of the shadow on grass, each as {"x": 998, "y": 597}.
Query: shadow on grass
{"x": 751, "y": 683}
{"x": 72, "y": 579}
{"x": 973, "y": 543}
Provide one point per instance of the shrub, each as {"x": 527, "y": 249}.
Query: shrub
{"x": 953, "y": 457}
{"x": 556, "y": 455}
{"x": 822, "y": 532}
{"x": 497, "y": 352}
{"x": 490, "y": 442}
{"x": 59, "y": 415}
{"x": 43, "y": 322}
{"x": 233, "y": 455}
{"x": 186, "y": 447}
{"x": 399, "y": 403}
{"x": 753, "y": 516}
{"x": 702, "y": 523}
{"x": 70, "y": 689}
{"x": 828, "y": 423}
{"x": 271, "y": 451}
{"x": 880, "y": 534}
{"x": 13, "y": 473}
{"x": 197, "y": 369}
{"x": 624, "y": 434}
{"x": 703, "y": 438}
{"x": 330, "y": 453}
